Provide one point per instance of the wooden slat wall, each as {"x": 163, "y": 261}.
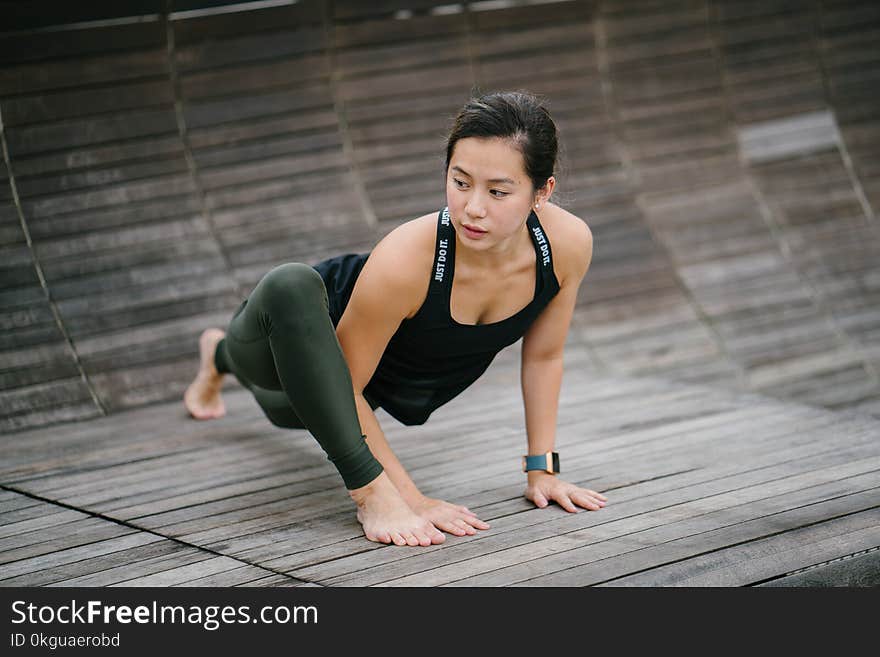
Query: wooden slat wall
{"x": 112, "y": 209}
{"x": 398, "y": 134}
{"x": 267, "y": 143}
{"x": 825, "y": 232}
{"x": 652, "y": 82}
{"x": 163, "y": 167}
{"x": 848, "y": 38}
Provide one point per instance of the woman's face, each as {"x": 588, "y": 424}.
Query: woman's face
{"x": 487, "y": 189}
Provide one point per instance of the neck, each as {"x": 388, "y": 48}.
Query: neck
{"x": 496, "y": 258}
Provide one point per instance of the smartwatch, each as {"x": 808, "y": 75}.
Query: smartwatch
{"x": 548, "y": 462}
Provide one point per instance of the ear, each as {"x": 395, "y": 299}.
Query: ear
{"x": 543, "y": 194}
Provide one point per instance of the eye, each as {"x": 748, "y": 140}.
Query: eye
{"x": 498, "y": 193}
{"x": 459, "y": 183}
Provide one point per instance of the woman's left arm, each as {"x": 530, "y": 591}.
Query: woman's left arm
{"x": 541, "y": 374}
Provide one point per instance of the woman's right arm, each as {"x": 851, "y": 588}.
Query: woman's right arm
{"x": 391, "y": 286}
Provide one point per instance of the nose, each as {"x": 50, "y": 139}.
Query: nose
{"x": 475, "y": 206}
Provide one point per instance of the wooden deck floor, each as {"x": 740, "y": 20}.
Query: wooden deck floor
{"x": 706, "y": 487}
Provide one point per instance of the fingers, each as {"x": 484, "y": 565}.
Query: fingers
{"x": 589, "y": 499}
{"x": 539, "y": 500}
{"x": 569, "y": 498}
{"x": 593, "y": 493}
{"x": 565, "y": 502}
{"x": 584, "y": 498}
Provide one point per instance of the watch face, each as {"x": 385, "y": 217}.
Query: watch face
{"x": 555, "y": 462}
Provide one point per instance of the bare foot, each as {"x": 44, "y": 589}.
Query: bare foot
{"x": 386, "y": 518}
{"x": 202, "y": 397}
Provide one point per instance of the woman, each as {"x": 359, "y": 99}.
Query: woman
{"x": 409, "y": 339}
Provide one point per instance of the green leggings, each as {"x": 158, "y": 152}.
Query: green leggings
{"x": 281, "y": 345}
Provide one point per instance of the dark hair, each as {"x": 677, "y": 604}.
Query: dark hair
{"x": 515, "y": 115}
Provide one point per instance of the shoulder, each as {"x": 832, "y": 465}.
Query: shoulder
{"x": 571, "y": 240}
{"x": 402, "y": 260}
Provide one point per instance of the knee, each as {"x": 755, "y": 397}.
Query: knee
{"x": 294, "y": 283}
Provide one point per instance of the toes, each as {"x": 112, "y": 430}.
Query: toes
{"x": 379, "y": 537}
{"x": 470, "y": 531}
{"x": 397, "y": 539}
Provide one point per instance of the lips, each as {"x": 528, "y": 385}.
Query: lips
{"x": 473, "y": 228}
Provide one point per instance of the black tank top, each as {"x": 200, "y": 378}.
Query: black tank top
{"x": 431, "y": 358}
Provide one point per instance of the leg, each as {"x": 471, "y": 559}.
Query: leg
{"x": 281, "y": 340}
{"x": 282, "y": 345}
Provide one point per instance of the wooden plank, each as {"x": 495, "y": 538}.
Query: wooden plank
{"x": 518, "y": 505}
{"x": 277, "y": 44}
{"x": 48, "y": 416}
{"x": 9, "y": 526}
{"x": 155, "y": 251}
{"x": 252, "y": 77}
{"x": 331, "y": 161}
{"x": 52, "y": 559}
{"x": 378, "y": 57}
{"x": 861, "y": 570}
{"x": 104, "y": 568}
{"x": 90, "y": 131}
{"x": 280, "y": 144}
{"x": 361, "y": 33}
{"x": 97, "y": 156}
{"x": 275, "y": 580}
{"x": 64, "y": 105}
{"x": 629, "y": 552}
{"x": 52, "y": 393}
{"x": 191, "y": 228}
{"x": 243, "y": 576}
{"x": 31, "y": 46}
{"x": 314, "y": 96}
{"x": 147, "y": 295}
{"x": 750, "y": 562}
{"x": 199, "y": 29}
{"x": 182, "y": 573}
{"x": 641, "y": 555}
{"x": 350, "y": 10}
{"x": 635, "y": 503}
{"x": 149, "y": 567}
{"x": 56, "y": 226}
{"x": 116, "y": 194}
{"x": 29, "y": 188}
{"x": 31, "y": 78}
{"x": 518, "y": 17}
{"x": 48, "y": 541}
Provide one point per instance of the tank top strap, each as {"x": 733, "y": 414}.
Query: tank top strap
{"x": 444, "y": 253}
{"x": 542, "y": 245}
